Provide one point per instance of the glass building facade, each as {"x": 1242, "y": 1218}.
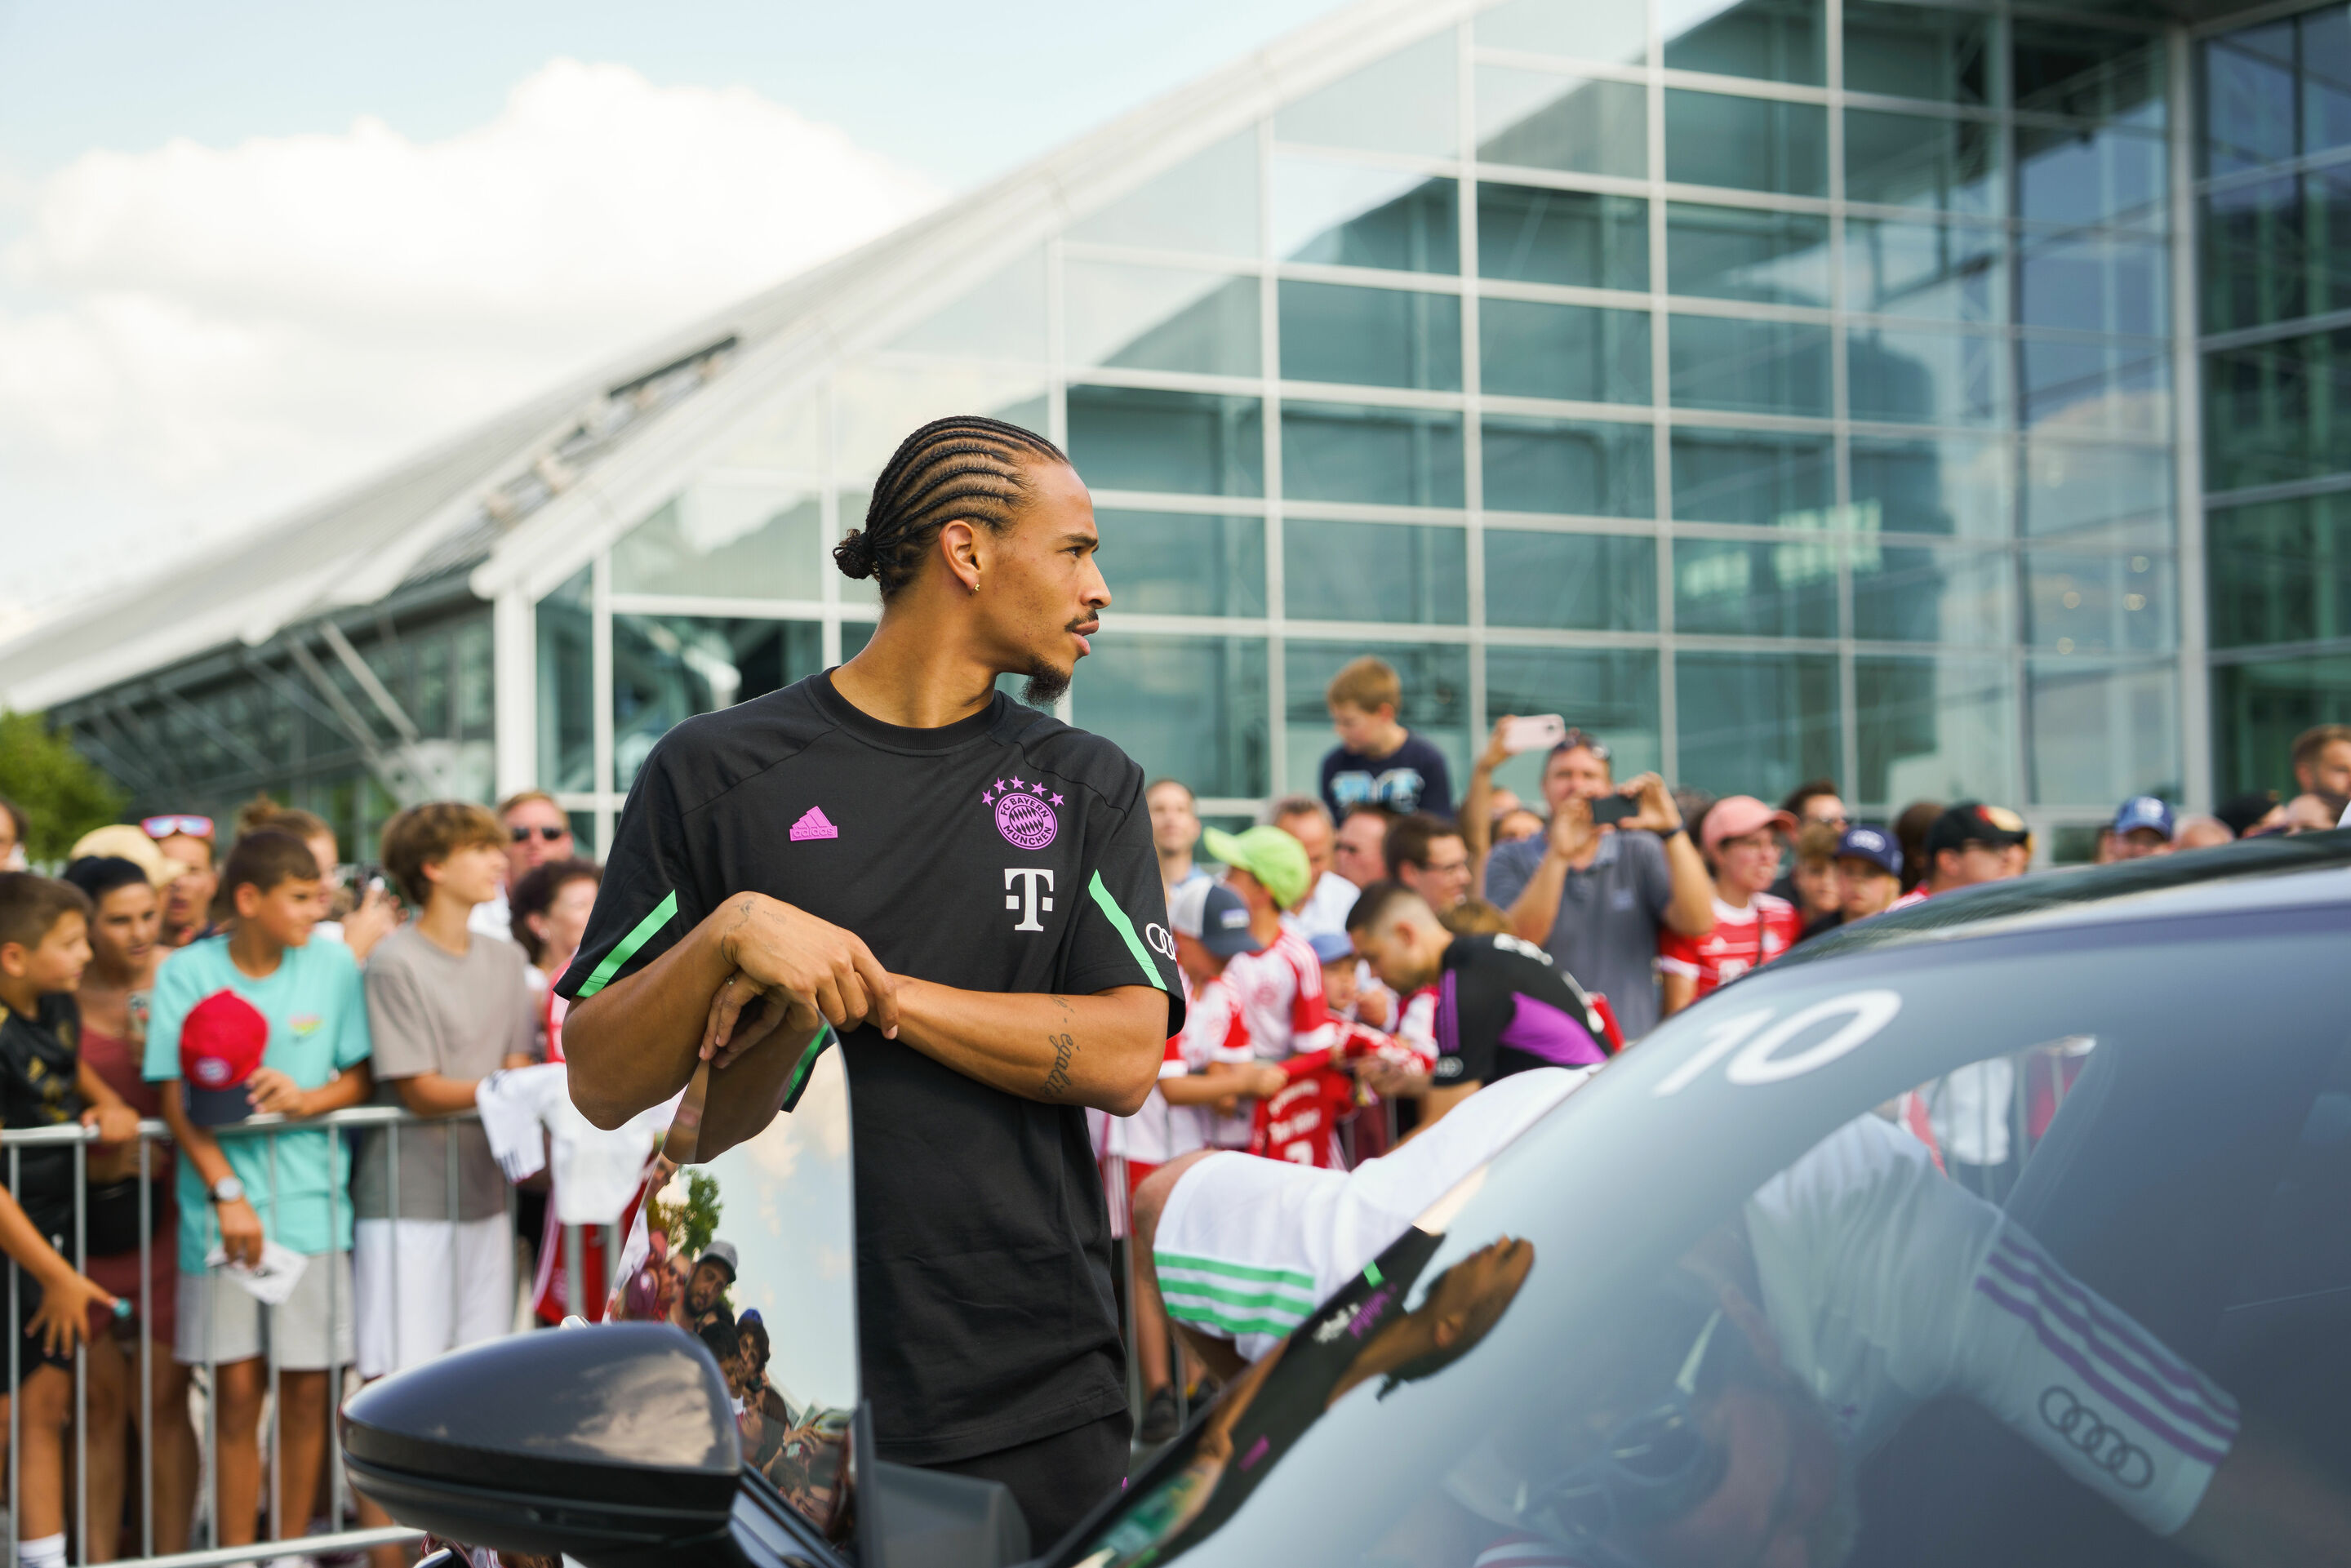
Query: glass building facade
{"x": 2274, "y": 199}
{"x": 1777, "y": 390}
{"x": 1936, "y": 398}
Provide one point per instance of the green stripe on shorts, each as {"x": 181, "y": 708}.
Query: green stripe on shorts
{"x": 1233, "y": 1325}
{"x": 1166, "y": 1261}
{"x": 1268, "y": 1296}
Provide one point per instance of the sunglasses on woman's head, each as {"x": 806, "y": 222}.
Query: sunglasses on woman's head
{"x": 166, "y": 826}
{"x": 552, "y": 835}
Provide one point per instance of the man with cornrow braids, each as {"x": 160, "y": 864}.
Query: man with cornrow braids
{"x": 965, "y": 889}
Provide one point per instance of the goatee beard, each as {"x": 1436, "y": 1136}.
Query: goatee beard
{"x": 1046, "y": 685}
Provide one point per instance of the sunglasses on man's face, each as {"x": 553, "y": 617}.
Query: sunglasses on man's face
{"x": 551, "y": 835}
{"x": 167, "y": 827}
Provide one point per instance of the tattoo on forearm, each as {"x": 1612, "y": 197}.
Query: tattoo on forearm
{"x": 1062, "y": 1003}
{"x": 1065, "y": 1050}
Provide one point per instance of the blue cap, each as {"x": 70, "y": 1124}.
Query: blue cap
{"x": 1875, "y": 845}
{"x": 1212, "y": 915}
{"x": 2143, "y": 811}
{"x": 1330, "y": 947}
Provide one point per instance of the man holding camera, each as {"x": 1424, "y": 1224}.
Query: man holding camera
{"x": 1614, "y": 866}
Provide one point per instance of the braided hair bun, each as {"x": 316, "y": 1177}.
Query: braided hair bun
{"x": 968, "y": 466}
{"x": 854, "y": 554}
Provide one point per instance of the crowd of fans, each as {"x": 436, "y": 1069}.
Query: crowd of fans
{"x": 155, "y": 964}
{"x": 1649, "y": 897}
{"x": 147, "y": 982}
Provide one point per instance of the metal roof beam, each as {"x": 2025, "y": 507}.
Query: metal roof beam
{"x": 397, "y": 779}
{"x": 237, "y": 743}
{"x": 377, "y": 692}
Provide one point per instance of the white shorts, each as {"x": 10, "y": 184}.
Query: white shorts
{"x": 438, "y": 1286}
{"x": 220, "y": 1321}
{"x": 1247, "y": 1248}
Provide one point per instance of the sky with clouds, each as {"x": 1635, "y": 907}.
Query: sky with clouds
{"x": 253, "y": 250}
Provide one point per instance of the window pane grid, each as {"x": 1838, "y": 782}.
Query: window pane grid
{"x": 1499, "y": 379}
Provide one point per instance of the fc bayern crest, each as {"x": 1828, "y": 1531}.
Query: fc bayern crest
{"x": 1024, "y": 813}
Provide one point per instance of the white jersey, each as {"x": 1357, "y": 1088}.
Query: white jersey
{"x": 1280, "y": 992}
{"x": 1886, "y": 1284}
{"x": 1247, "y": 1248}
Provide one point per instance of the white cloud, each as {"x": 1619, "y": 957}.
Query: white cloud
{"x": 193, "y": 336}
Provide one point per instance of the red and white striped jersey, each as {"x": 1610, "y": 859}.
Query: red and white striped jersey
{"x": 1741, "y": 940}
{"x": 1280, "y": 992}
{"x": 1216, "y": 1029}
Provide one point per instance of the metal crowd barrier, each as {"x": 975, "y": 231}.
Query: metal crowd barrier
{"x": 285, "y": 1519}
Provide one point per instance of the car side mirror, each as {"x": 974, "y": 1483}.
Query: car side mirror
{"x": 611, "y": 1445}
{"x": 728, "y": 1405}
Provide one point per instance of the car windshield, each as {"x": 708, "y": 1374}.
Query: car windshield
{"x": 2024, "y": 1248}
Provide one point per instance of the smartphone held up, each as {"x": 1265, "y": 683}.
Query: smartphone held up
{"x": 1540, "y": 733}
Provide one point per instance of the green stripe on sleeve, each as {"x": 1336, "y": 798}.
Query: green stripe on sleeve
{"x": 626, "y": 949}
{"x": 1126, "y": 928}
{"x": 806, "y": 1068}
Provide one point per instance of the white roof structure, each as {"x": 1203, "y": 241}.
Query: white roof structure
{"x": 527, "y": 497}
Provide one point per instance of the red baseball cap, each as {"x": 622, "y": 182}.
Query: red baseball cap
{"x": 221, "y": 1042}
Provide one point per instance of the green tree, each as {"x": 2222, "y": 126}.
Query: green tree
{"x": 690, "y": 1225}
{"x": 62, "y": 795}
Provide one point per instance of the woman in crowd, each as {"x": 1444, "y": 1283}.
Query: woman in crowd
{"x": 550, "y": 908}
{"x": 124, "y": 949}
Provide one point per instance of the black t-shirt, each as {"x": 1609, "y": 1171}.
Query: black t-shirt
{"x": 1412, "y": 778}
{"x": 1006, "y": 852}
{"x": 39, "y": 1059}
{"x": 1503, "y": 1007}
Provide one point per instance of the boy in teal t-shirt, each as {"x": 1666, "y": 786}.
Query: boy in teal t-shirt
{"x": 264, "y": 990}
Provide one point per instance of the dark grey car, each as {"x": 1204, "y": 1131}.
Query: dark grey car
{"x": 2011, "y": 1229}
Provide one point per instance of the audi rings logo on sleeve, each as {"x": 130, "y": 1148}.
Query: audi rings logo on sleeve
{"x": 1157, "y": 937}
{"x": 2104, "y": 1445}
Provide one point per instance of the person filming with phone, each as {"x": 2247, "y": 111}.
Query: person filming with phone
{"x": 1614, "y": 869}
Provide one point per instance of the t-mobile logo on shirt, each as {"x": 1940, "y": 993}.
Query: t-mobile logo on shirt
{"x": 1026, "y": 900}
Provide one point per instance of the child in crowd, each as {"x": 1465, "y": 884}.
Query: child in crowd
{"x": 357, "y": 917}
{"x": 116, "y": 990}
{"x": 1344, "y": 976}
{"x": 1740, "y": 838}
{"x": 44, "y": 946}
{"x": 1377, "y": 760}
{"x": 1279, "y": 986}
{"x": 259, "y": 1017}
{"x": 446, "y": 1008}
{"x": 1870, "y": 870}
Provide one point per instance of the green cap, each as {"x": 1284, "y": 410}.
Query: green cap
{"x": 1268, "y": 854}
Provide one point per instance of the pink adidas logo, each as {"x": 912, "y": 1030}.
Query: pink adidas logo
{"x": 814, "y": 824}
